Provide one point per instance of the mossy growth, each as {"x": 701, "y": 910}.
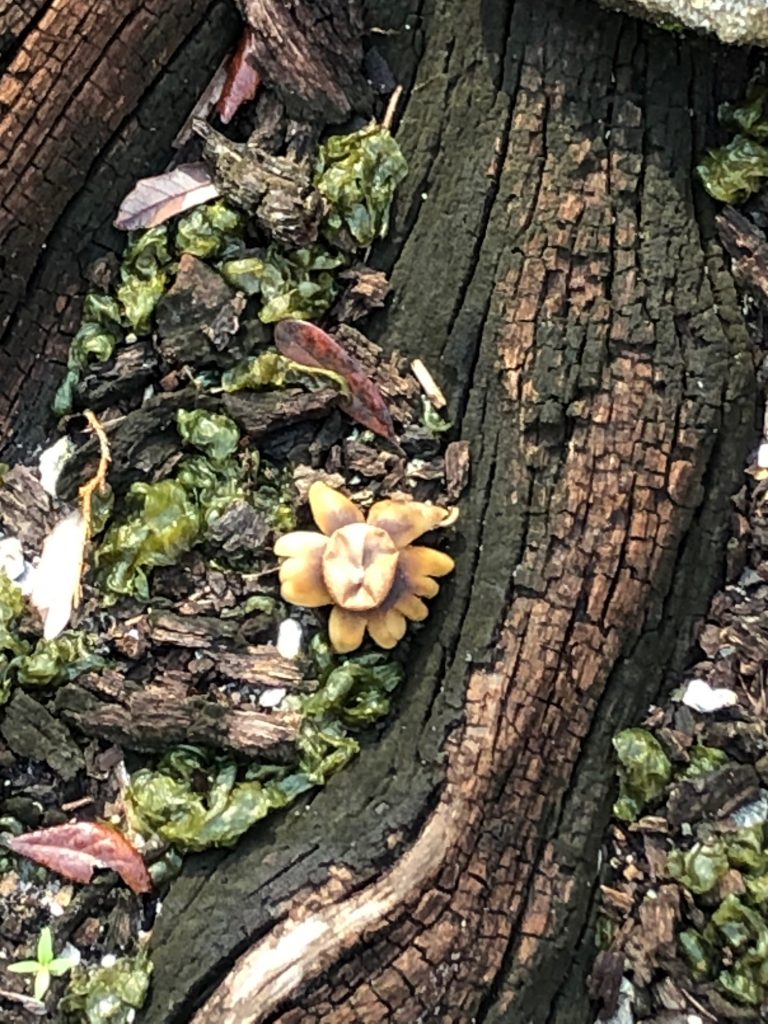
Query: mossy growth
{"x": 734, "y": 172}
{"x": 194, "y": 800}
{"x": 356, "y": 174}
{"x": 37, "y": 662}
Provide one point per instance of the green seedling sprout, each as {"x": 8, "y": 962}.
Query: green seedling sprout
{"x": 45, "y": 966}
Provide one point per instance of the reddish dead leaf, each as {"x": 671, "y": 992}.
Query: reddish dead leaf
{"x": 153, "y": 200}
{"x": 76, "y": 849}
{"x": 304, "y": 343}
{"x": 242, "y": 82}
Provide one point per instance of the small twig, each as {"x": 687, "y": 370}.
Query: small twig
{"x": 75, "y": 805}
{"x": 697, "y": 1005}
{"x": 389, "y": 113}
{"x": 428, "y": 384}
{"x": 98, "y": 482}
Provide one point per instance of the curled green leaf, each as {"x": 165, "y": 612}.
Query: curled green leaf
{"x": 735, "y": 171}
{"x": 216, "y": 435}
{"x": 107, "y": 995}
{"x": 59, "y": 660}
{"x": 701, "y": 867}
{"x": 207, "y": 230}
{"x": 644, "y": 771}
{"x": 357, "y": 175}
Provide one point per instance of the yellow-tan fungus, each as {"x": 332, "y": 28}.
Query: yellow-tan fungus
{"x": 367, "y": 569}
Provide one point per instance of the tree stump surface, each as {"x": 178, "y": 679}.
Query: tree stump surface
{"x": 555, "y": 265}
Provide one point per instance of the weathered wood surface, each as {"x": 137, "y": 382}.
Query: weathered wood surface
{"x": 552, "y": 261}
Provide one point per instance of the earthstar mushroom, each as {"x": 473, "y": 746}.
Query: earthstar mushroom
{"x": 369, "y": 570}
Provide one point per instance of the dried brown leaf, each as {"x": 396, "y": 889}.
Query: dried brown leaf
{"x": 154, "y": 200}
{"x": 75, "y": 850}
{"x": 242, "y": 82}
{"x": 307, "y": 344}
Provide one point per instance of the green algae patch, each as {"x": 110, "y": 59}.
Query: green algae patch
{"x": 734, "y": 172}
{"x": 271, "y": 370}
{"x": 144, "y": 275}
{"x": 357, "y": 175}
{"x": 107, "y": 995}
{"x": 703, "y": 760}
{"x": 161, "y": 522}
{"x": 297, "y": 285}
{"x": 700, "y": 868}
{"x": 357, "y": 688}
{"x": 644, "y": 772}
{"x": 59, "y": 660}
{"x": 11, "y": 644}
{"x": 97, "y": 337}
{"x": 216, "y": 435}
{"x": 194, "y": 800}
{"x": 208, "y": 230}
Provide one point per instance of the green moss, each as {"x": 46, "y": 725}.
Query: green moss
{"x": 734, "y": 172}
{"x": 644, "y": 772}
{"x": 216, "y": 435}
{"x": 160, "y": 522}
{"x": 296, "y": 284}
{"x": 207, "y": 230}
{"x": 357, "y": 175}
{"x": 107, "y": 995}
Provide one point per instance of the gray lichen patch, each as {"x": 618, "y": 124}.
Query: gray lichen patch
{"x": 742, "y": 22}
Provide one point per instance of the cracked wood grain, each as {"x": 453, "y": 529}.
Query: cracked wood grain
{"x": 590, "y": 341}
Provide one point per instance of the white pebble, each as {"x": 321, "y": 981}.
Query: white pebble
{"x": 700, "y": 696}
{"x": 289, "y": 635}
{"x": 271, "y": 698}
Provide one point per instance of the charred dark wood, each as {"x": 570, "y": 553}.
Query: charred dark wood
{"x": 748, "y": 248}
{"x": 311, "y": 54}
{"x": 276, "y": 190}
{"x": 25, "y": 508}
{"x": 144, "y": 441}
{"x": 31, "y": 731}
{"x": 198, "y": 318}
{"x": 156, "y": 717}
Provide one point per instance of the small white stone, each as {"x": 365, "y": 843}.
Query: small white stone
{"x": 108, "y": 960}
{"x": 271, "y": 698}
{"x": 51, "y": 463}
{"x": 762, "y": 456}
{"x": 700, "y": 696}
{"x": 289, "y": 636}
